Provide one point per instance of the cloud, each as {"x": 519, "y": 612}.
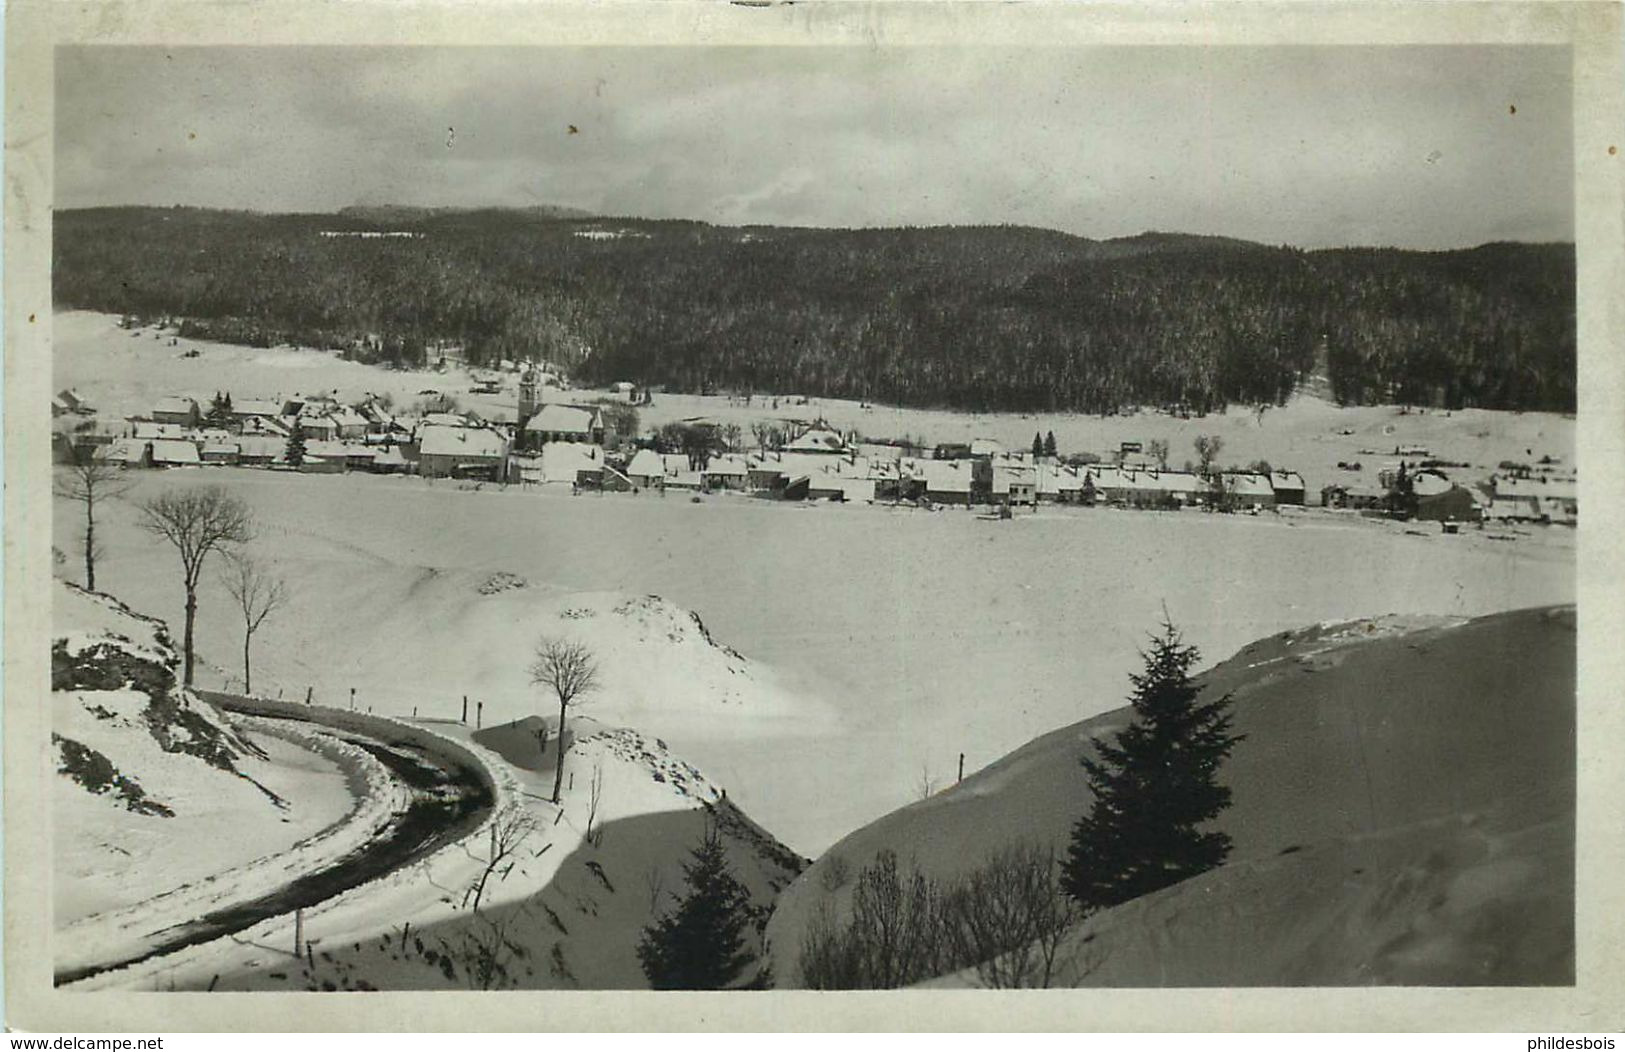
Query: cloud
{"x": 1301, "y": 145}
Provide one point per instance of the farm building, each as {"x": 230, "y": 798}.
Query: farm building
{"x": 1288, "y": 486}
{"x": 1357, "y": 497}
{"x": 73, "y": 402}
{"x": 389, "y": 461}
{"x": 347, "y": 423}
{"x": 130, "y": 452}
{"x": 321, "y": 428}
{"x": 946, "y": 481}
{"x": 817, "y": 440}
{"x": 1246, "y": 489}
{"x": 1014, "y": 484}
{"x": 260, "y": 450}
{"x": 646, "y": 469}
{"x": 217, "y": 451}
{"x": 150, "y": 430}
{"x": 1057, "y": 484}
{"x": 177, "y": 409}
{"x": 558, "y": 422}
{"x": 729, "y": 471}
{"x": 174, "y": 453}
{"x": 1440, "y": 500}
{"x": 460, "y": 452}
{"x": 578, "y": 463}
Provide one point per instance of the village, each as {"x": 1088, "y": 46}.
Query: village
{"x": 590, "y": 442}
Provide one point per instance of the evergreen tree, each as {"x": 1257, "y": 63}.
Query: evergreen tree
{"x": 1049, "y": 444}
{"x": 1038, "y": 444}
{"x": 701, "y": 944}
{"x": 1086, "y": 493}
{"x": 294, "y": 453}
{"x": 1402, "y": 502}
{"x": 1153, "y": 786}
{"x": 219, "y": 410}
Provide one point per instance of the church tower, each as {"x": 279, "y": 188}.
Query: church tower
{"x": 529, "y": 395}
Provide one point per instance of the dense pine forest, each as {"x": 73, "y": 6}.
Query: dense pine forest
{"x": 1004, "y": 318}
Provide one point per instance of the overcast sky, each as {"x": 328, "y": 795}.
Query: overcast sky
{"x": 1416, "y": 147}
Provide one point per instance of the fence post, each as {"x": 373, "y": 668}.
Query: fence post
{"x": 465, "y": 710}
{"x": 961, "y": 777}
{"x": 298, "y": 930}
{"x": 479, "y": 714}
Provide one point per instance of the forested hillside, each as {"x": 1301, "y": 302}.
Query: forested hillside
{"x": 968, "y": 317}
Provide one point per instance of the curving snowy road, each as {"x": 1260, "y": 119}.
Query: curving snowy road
{"x": 415, "y": 795}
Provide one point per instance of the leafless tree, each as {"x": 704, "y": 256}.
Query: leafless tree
{"x": 90, "y": 481}
{"x": 1207, "y": 451}
{"x": 1158, "y": 449}
{"x": 258, "y": 595}
{"x": 509, "y": 831}
{"x": 571, "y": 672}
{"x": 595, "y": 837}
{"x": 1009, "y": 918}
{"x": 926, "y": 787}
{"x": 197, "y": 521}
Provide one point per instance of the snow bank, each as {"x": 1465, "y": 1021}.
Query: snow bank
{"x": 1378, "y": 753}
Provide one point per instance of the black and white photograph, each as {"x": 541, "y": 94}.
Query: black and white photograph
{"x": 962, "y": 516}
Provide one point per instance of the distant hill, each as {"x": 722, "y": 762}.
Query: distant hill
{"x": 387, "y": 215}
{"x": 969, "y": 317}
{"x": 1403, "y": 812}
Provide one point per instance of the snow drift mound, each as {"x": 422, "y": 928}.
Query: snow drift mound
{"x": 572, "y": 888}
{"x": 417, "y": 640}
{"x": 1403, "y": 812}
{"x": 156, "y": 788}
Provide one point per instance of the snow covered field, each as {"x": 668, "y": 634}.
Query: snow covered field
{"x": 873, "y": 644}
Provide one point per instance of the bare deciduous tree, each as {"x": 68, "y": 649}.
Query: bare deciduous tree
{"x": 258, "y": 595}
{"x": 1207, "y": 451}
{"x": 509, "y": 831}
{"x": 1009, "y": 918}
{"x": 595, "y": 836}
{"x": 571, "y": 672}
{"x": 89, "y": 481}
{"x": 197, "y": 521}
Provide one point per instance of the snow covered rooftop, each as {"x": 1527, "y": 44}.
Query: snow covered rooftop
{"x": 461, "y": 442}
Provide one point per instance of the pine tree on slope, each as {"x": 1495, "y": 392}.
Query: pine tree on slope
{"x": 1153, "y": 786}
{"x": 701, "y": 944}
{"x": 1049, "y": 443}
{"x": 1038, "y": 444}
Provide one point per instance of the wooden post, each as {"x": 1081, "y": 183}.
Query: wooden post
{"x": 479, "y": 714}
{"x": 465, "y": 710}
{"x": 308, "y": 691}
{"x": 352, "y": 699}
{"x": 298, "y": 930}
{"x": 961, "y": 767}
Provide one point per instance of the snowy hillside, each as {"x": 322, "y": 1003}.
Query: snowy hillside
{"x": 1403, "y": 813}
{"x": 168, "y": 810}
{"x": 162, "y": 807}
